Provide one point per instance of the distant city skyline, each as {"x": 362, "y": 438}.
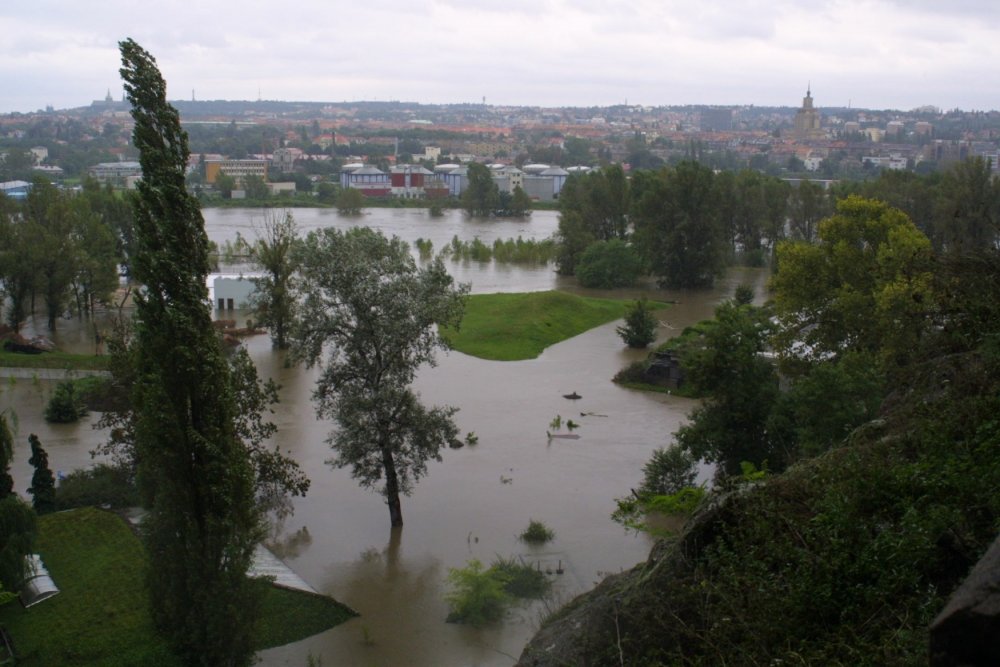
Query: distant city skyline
{"x": 876, "y": 54}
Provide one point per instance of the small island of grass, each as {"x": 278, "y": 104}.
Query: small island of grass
{"x": 516, "y": 326}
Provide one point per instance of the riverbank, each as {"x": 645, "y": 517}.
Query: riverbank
{"x": 313, "y": 202}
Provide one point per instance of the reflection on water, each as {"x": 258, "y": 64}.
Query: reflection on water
{"x": 477, "y": 501}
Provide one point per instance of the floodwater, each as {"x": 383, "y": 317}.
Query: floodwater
{"x": 475, "y": 502}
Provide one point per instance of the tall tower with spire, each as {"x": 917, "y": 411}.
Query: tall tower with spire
{"x": 807, "y": 119}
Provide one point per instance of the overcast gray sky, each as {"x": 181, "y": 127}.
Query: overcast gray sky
{"x": 870, "y": 53}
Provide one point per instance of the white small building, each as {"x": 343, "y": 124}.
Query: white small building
{"x": 230, "y": 293}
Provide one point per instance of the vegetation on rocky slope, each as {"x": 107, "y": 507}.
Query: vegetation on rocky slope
{"x": 847, "y": 555}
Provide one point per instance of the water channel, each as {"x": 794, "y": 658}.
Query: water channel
{"x": 476, "y": 501}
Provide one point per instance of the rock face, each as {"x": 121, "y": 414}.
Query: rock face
{"x": 591, "y": 630}
{"x": 581, "y": 631}
{"x": 966, "y": 631}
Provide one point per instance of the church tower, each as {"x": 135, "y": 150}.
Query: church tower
{"x": 807, "y": 120}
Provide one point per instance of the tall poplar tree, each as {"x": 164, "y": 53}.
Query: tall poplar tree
{"x": 202, "y": 523}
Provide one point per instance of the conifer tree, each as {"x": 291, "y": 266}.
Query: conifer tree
{"x": 6, "y": 454}
{"x": 43, "y": 484}
{"x": 202, "y": 523}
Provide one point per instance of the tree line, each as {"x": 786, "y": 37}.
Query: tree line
{"x": 851, "y": 420}
{"x": 62, "y": 249}
{"x": 684, "y": 224}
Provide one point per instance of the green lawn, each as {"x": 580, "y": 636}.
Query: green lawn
{"x": 64, "y": 360}
{"x": 510, "y": 327}
{"x": 101, "y": 616}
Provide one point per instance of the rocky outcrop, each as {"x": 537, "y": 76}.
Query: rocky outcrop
{"x": 591, "y": 629}
{"x": 966, "y": 630}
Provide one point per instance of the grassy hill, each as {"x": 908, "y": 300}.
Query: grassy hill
{"x": 101, "y": 615}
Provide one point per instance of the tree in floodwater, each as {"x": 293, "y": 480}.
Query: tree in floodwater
{"x": 676, "y": 219}
{"x": 377, "y": 314}
{"x": 274, "y": 299}
{"x": 481, "y": 196}
{"x": 203, "y": 524}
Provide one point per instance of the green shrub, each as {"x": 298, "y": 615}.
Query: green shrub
{"x": 634, "y": 373}
{"x": 743, "y": 296}
{"x": 537, "y": 533}
{"x": 425, "y": 247}
{"x": 668, "y": 470}
{"x": 639, "y": 329}
{"x": 477, "y": 596}
{"x": 684, "y": 502}
{"x": 102, "y": 485}
{"x": 350, "y": 201}
{"x": 632, "y": 511}
{"x": 66, "y": 405}
{"x": 609, "y": 264}
{"x": 519, "y": 579}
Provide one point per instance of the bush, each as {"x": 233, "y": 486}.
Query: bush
{"x": 66, "y": 405}
{"x": 743, "y": 296}
{"x": 520, "y": 579}
{"x": 609, "y": 264}
{"x": 635, "y": 511}
{"x": 481, "y": 596}
{"x": 102, "y": 485}
{"x": 350, "y": 201}
{"x": 537, "y": 533}
{"x": 639, "y": 329}
{"x": 668, "y": 471}
{"x": 478, "y": 596}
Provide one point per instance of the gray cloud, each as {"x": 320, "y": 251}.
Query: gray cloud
{"x": 893, "y": 53}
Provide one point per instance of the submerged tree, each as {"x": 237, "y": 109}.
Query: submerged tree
{"x": 274, "y": 298}
{"x": 377, "y": 314}
{"x": 677, "y": 223}
{"x": 350, "y": 201}
{"x": 481, "y": 196}
{"x": 639, "y": 329}
{"x": 202, "y": 524}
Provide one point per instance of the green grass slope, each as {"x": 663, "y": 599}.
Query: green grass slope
{"x": 101, "y": 615}
{"x": 58, "y": 360}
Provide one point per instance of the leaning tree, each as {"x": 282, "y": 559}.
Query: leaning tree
{"x": 202, "y": 525}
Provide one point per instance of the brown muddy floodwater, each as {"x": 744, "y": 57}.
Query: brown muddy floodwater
{"x": 475, "y": 502}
